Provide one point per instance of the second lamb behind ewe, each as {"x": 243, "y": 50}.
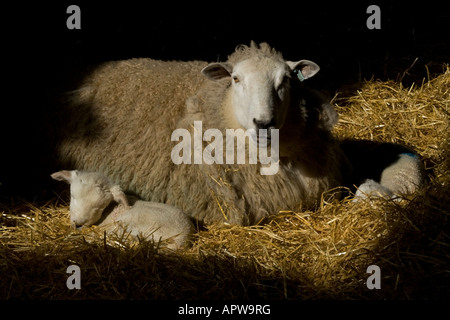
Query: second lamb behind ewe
{"x": 92, "y": 202}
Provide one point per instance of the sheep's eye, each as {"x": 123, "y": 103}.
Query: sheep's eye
{"x": 235, "y": 79}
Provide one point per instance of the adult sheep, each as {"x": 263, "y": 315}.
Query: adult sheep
{"x": 124, "y": 114}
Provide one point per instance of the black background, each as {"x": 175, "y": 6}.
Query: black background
{"x": 42, "y": 57}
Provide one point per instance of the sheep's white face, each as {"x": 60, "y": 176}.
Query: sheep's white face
{"x": 261, "y": 89}
{"x": 261, "y": 93}
{"x": 90, "y": 195}
{"x": 88, "y": 200}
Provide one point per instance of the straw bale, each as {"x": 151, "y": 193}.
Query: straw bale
{"x": 293, "y": 255}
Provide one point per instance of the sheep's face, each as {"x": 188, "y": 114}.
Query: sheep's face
{"x": 260, "y": 93}
{"x": 261, "y": 89}
{"x": 88, "y": 201}
{"x": 90, "y": 194}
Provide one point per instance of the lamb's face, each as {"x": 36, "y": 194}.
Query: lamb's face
{"x": 261, "y": 93}
{"x": 88, "y": 200}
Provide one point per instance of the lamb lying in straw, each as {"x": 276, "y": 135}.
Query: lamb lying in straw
{"x": 92, "y": 202}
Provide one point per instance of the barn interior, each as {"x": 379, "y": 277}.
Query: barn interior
{"x": 322, "y": 254}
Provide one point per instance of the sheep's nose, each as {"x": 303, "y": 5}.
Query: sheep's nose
{"x": 264, "y": 124}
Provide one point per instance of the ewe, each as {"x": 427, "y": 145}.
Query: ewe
{"x": 92, "y": 195}
{"x": 131, "y": 109}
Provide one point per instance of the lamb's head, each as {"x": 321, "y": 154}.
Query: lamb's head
{"x": 260, "y": 84}
{"x": 90, "y": 194}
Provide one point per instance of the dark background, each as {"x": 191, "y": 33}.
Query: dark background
{"x": 42, "y": 58}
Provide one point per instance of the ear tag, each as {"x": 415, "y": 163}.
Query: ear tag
{"x": 299, "y": 75}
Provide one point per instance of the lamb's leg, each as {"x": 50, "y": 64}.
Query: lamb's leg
{"x": 372, "y": 189}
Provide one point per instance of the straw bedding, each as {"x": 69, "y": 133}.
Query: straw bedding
{"x": 293, "y": 255}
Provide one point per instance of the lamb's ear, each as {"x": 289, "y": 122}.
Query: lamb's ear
{"x": 304, "y": 69}
{"x": 64, "y": 175}
{"x": 119, "y": 196}
{"x": 217, "y": 70}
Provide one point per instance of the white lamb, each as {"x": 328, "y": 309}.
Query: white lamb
{"x": 92, "y": 202}
{"x": 383, "y": 169}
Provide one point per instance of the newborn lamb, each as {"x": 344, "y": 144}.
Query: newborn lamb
{"x": 92, "y": 202}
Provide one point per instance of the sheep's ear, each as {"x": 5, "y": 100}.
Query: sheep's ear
{"x": 64, "y": 175}
{"x": 216, "y": 71}
{"x": 304, "y": 69}
{"x": 119, "y": 196}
